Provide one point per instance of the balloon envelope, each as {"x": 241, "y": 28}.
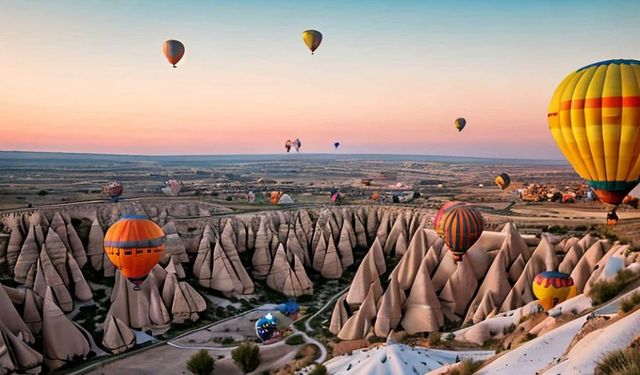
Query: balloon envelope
{"x": 503, "y": 181}
{"x": 134, "y": 244}
{"x": 173, "y": 51}
{"x": 113, "y": 190}
{"x": 552, "y": 288}
{"x": 443, "y": 208}
{"x": 594, "y": 117}
{"x": 460, "y": 123}
{"x": 336, "y": 145}
{"x": 312, "y": 38}
{"x": 461, "y": 226}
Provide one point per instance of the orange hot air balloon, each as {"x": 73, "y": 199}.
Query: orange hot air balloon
{"x": 173, "y": 50}
{"x": 461, "y": 227}
{"x": 134, "y": 244}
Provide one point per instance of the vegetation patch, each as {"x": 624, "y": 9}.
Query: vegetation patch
{"x": 246, "y": 356}
{"x": 466, "y": 367}
{"x": 603, "y": 291}
{"x": 201, "y": 363}
{"x": 620, "y": 362}
{"x": 630, "y": 302}
{"x": 294, "y": 340}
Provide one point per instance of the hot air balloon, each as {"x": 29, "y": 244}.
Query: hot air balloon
{"x": 173, "y": 51}
{"x": 503, "y": 181}
{"x": 336, "y": 145}
{"x": 172, "y": 188}
{"x": 312, "y": 39}
{"x": 287, "y": 145}
{"x": 134, "y": 244}
{"x": 296, "y": 144}
{"x": 113, "y": 190}
{"x": 460, "y": 123}
{"x": 552, "y": 288}
{"x": 275, "y": 196}
{"x": 594, "y": 117}
{"x": 461, "y": 226}
{"x": 443, "y": 208}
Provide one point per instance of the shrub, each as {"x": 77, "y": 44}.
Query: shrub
{"x": 603, "y": 291}
{"x": 228, "y": 340}
{"x": 319, "y": 370}
{"x": 630, "y": 303}
{"x": 201, "y": 363}
{"x": 434, "y": 338}
{"x": 43, "y": 193}
{"x": 246, "y": 356}
{"x": 530, "y": 336}
{"x": 294, "y": 340}
{"x": 620, "y": 362}
{"x": 467, "y": 367}
{"x": 508, "y": 329}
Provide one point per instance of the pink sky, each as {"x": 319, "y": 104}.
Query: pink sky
{"x": 88, "y": 79}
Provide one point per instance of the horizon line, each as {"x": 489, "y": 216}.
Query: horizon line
{"x": 277, "y": 154}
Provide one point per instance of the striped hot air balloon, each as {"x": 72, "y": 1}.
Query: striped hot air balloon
{"x": 461, "y": 227}
{"x": 443, "y": 208}
{"x": 552, "y": 288}
{"x": 594, "y": 117}
{"x": 134, "y": 244}
{"x": 503, "y": 181}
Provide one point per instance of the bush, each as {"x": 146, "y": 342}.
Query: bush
{"x": 620, "y": 362}
{"x": 434, "y": 338}
{"x": 43, "y": 193}
{"x": 201, "y": 363}
{"x": 294, "y": 340}
{"x": 246, "y": 356}
{"x": 467, "y": 367}
{"x": 630, "y": 303}
{"x": 319, "y": 370}
{"x": 603, "y": 291}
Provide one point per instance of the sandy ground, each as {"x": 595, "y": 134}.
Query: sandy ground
{"x": 166, "y": 359}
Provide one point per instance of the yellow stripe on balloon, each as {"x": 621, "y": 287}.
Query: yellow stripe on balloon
{"x": 593, "y": 119}
{"x": 629, "y": 120}
{"x": 578, "y": 123}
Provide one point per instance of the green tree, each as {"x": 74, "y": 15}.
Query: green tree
{"x": 246, "y": 356}
{"x": 201, "y": 363}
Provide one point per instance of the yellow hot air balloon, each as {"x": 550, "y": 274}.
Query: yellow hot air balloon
{"x": 312, "y": 38}
{"x": 173, "y": 51}
{"x": 594, "y": 117}
{"x": 552, "y": 288}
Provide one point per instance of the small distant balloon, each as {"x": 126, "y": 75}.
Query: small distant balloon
{"x": 172, "y": 188}
{"x": 336, "y": 145}
{"x": 173, "y": 51}
{"x": 503, "y": 181}
{"x": 312, "y": 38}
{"x": 287, "y": 145}
{"x": 460, "y": 123}
{"x": 113, "y": 190}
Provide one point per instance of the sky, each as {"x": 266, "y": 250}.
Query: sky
{"x": 389, "y": 77}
